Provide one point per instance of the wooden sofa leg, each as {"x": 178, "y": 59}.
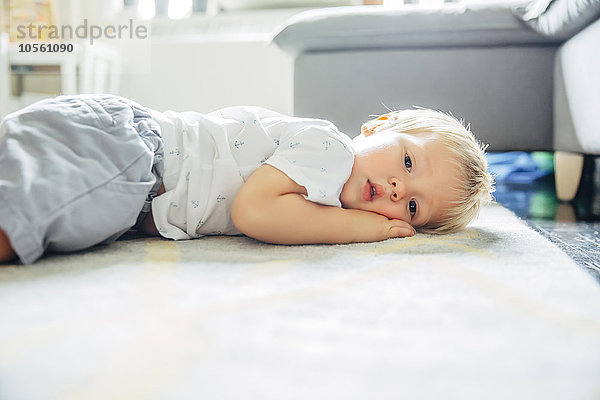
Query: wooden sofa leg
{"x": 567, "y": 174}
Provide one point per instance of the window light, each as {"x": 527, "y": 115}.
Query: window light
{"x": 146, "y": 9}
{"x": 180, "y": 8}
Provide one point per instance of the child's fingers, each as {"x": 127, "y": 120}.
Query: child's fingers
{"x": 401, "y": 229}
{"x": 401, "y": 232}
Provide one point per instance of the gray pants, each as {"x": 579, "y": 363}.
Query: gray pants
{"x": 76, "y": 171}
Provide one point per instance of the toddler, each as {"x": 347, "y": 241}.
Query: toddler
{"x": 76, "y": 171}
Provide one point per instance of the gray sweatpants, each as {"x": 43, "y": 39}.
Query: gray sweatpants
{"x": 76, "y": 171}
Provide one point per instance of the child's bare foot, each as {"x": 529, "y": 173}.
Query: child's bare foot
{"x": 148, "y": 227}
{"x": 6, "y": 251}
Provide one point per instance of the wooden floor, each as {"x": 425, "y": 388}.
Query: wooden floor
{"x": 574, "y": 227}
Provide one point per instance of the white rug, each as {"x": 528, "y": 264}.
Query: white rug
{"x": 494, "y": 312}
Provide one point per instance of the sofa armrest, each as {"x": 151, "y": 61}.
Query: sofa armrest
{"x": 577, "y": 93}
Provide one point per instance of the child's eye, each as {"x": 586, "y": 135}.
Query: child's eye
{"x": 407, "y": 162}
{"x": 412, "y": 207}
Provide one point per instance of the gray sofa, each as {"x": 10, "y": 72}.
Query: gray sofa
{"x": 525, "y": 75}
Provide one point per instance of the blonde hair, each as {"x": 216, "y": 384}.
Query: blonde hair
{"x": 475, "y": 186}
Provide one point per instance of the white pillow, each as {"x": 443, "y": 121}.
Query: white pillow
{"x": 560, "y": 18}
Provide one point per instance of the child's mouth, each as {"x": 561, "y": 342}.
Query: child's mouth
{"x": 372, "y": 191}
{"x": 367, "y": 191}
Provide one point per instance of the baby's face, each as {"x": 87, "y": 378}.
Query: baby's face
{"x": 402, "y": 177}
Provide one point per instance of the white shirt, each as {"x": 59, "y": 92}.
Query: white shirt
{"x": 208, "y": 157}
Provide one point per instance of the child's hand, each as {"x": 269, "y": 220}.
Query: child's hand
{"x": 376, "y": 227}
{"x": 399, "y": 228}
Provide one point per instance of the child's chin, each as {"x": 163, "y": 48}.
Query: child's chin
{"x": 346, "y": 203}
{"x": 344, "y": 198}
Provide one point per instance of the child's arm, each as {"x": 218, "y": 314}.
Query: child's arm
{"x": 270, "y": 207}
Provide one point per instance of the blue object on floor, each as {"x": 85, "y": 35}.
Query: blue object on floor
{"x": 519, "y": 166}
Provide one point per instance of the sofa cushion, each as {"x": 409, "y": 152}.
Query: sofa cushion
{"x": 368, "y": 27}
{"x": 560, "y": 19}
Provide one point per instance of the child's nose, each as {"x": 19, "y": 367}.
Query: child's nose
{"x": 398, "y": 189}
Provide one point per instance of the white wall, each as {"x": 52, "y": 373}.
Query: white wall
{"x": 207, "y": 75}
{"x": 4, "y": 74}
{"x": 201, "y": 63}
